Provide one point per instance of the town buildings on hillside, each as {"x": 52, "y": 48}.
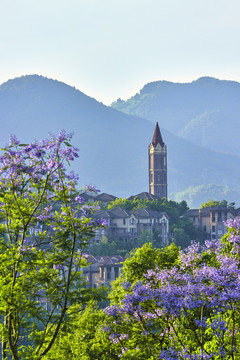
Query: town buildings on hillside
{"x": 125, "y": 224}
{"x": 211, "y": 219}
{"x": 102, "y": 270}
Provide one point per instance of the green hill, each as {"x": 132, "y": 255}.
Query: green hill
{"x": 205, "y": 112}
{"x": 113, "y": 145}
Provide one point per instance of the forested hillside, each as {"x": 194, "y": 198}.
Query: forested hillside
{"x": 113, "y": 145}
{"x": 205, "y": 112}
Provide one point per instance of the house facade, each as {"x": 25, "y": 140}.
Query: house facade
{"x": 211, "y": 219}
{"x": 125, "y": 224}
{"x": 102, "y": 270}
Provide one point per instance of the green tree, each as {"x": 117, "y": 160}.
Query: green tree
{"x": 83, "y": 336}
{"x": 145, "y": 237}
{"x": 104, "y": 247}
{"x": 43, "y": 235}
{"x": 187, "y": 311}
{"x": 180, "y": 238}
{"x": 213, "y": 203}
{"x": 140, "y": 261}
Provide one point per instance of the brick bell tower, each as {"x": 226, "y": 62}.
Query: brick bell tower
{"x": 157, "y": 153}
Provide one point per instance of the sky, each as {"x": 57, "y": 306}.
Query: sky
{"x": 110, "y": 49}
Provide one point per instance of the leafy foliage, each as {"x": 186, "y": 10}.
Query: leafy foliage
{"x": 182, "y": 230}
{"x": 86, "y": 333}
{"x": 167, "y": 304}
{"x": 213, "y": 203}
{"x": 43, "y": 235}
{"x": 188, "y": 311}
{"x": 118, "y": 247}
{"x": 82, "y": 337}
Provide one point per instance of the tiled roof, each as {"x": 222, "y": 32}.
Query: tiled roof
{"x": 192, "y": 212}
{"x": 110, "y": 260}
{"x": 122, "y": 213}
{"x": 104, "y": 197}
{"x": 119, "y": 212}
{"x": 147, "y": 213}
{"x": 207, "y": 210}
{"x": 236, "y": 212}
{"x": 104, "y": 214}
{"x": 113, "y": 213}
{"x": 87, "y": 197}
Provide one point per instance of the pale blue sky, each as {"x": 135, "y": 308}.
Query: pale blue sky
{"x": 110, "y": 48}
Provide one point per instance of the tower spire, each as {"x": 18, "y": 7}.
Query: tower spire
{"x": 157, "y": 152}
{"x": 157, "y": 137}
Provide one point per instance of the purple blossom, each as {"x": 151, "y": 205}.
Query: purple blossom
{"x": 58, "y": 267}
{"x": 182, "y": 292}
{"x": 91, "y": 188}
{"x": 13, "y": 140}
{"x": 79, "y": 199}
{"x": 101, "y": 222}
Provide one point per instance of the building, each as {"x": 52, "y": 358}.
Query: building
{"x": 105, "y": 198}
{"x": 211, "y": 219}
{"x": 157, "y": 154}
{"x": 102, "y": 270}
{"x": 125, "y": 224}
{"x": 144, "y": 196}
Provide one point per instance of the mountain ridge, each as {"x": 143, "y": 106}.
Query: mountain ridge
{"x": 113, "y": 145}
{"x": 178, "y": 104}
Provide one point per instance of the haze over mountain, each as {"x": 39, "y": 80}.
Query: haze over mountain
{"x": 113, "y": 145}
{"x": 205, "y": 112}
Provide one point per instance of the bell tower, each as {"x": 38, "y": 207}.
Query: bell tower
{"x": 157, "y": 153}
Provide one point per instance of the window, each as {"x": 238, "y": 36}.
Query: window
{"x": 124, "y": 221}
{"x": 213, "y": 216}
{"x": 213, "y": 228}
{"x": 116, "y": 271}
{"x": 109, "y": 272}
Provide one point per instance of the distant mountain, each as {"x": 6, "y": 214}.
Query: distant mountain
{"x": 195, "y": 194}
{"x": 205, "y": 112}
{"x": 113, "y": 145}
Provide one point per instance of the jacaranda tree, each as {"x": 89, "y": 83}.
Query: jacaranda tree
{"x": 189, "y": 311}
{"x": 44, "y": 229}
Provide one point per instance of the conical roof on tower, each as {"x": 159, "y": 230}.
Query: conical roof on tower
{"x": 157, "y": 137}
